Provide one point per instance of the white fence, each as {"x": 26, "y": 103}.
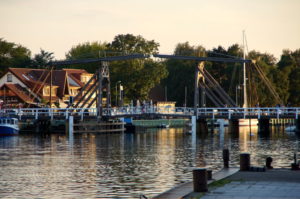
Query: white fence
{"x": 276, "y": 112}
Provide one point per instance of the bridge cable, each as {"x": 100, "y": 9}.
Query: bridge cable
{"x": 218, "y": 88}
{"x": 212, "y": 96}
{"x": 268, "y": 84}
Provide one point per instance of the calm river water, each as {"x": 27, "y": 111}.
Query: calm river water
{"x": 126, "y": 165}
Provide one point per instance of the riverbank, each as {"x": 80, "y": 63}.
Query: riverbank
{"x": 275, "y": 183}
{"x": 186, "y": 189}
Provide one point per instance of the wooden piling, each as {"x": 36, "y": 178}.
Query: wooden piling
{"x": 200, "y": 180}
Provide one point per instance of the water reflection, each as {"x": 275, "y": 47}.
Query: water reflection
{"x": 126, "y": 165}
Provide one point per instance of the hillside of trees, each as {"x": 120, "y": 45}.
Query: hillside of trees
{"x": 139, "y": 76}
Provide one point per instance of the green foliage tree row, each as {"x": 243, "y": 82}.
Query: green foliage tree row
{"x": 139, "y": 76}
{"x": 284, "y": 76}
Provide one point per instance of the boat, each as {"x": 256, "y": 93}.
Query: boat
{"x": 9, "y": 126}
{"x": 245, "y": 122}
{"x": 163, "y": 126}
{"x": 290, "y": 128}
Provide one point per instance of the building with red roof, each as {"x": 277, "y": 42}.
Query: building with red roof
{"x": 27, "y": 87}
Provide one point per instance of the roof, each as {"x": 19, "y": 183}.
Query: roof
{"x": 20, "y": 92}
{"x": 37, "y": 78}
{"x": 75, "y": 74}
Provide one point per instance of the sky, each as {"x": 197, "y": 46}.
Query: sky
{"x": 58, "y": 25}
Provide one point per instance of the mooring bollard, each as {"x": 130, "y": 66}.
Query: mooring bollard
{"x": 269, "y": 160}
{"x": 209, "y": 174}
{"x": 226, "y": 158}
{"x": 200, "y": 180}
{"x": 244, "y": 161}
{"x": 295, "y": 165}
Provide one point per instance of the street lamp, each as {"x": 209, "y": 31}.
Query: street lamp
{"x": 121, "y": 95}
{"x": 236, "y": 94}
{"x": 118, "y": 82}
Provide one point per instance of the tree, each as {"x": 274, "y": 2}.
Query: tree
{"x": 13, "y": 55}
{"x": 181, "y": 74}
{"x": 289, "y": 65}
{"x": 129, "y": 44}
{"x": 87, "y": 50}
{"x": 138, "y": 76}
{"x": 42, "y": 59}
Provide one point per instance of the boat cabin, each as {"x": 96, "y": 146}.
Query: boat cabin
{"x": 12, "y": 121}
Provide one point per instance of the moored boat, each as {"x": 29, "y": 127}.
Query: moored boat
{"x": 163, "y": 126}
{"x": 9, "y": 126}
{"x": 290, "y": 128}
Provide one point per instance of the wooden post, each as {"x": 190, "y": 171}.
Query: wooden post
{"x": 244, "y": 162}
{"x": 226, "y": 158}
{"x": 200, "y": 180}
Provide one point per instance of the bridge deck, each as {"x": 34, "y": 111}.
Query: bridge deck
{"x": 178, "y": 112}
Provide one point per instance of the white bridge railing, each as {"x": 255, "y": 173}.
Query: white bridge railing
{"x": 273, "y": 112}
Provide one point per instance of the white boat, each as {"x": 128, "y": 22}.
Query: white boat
{"x": 290, "y": 129}
{"x": 9, "y": 126}
{"x": 163, "y": 126}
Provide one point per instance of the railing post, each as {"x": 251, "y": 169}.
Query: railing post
{"x": 36, "y": 114}
{"x": 19, "y": 113}
{"x": 296, "y": 113}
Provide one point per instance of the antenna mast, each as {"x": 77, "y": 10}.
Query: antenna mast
{"x": 245, "y": 104}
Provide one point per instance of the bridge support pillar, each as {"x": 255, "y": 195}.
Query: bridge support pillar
{"x": 264, "y": 125}
{"x": 202, "y": 126}
{"x": 234, "y": 127}
{"x": 70, "y": 125}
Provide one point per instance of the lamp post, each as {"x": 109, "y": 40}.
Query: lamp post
{"x": 121, "y": 95}
{"x": 236, "y": 94}
{"x": 118, "y": 82}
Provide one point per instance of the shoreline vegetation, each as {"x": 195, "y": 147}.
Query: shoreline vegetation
{"x": 175, "y": 77}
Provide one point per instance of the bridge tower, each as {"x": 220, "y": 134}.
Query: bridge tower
{"x": 103, "y": 93}
{"x": 199, "y": 82}
{"x": 95, "y": 92}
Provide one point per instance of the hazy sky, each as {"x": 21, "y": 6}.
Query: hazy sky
{"x": 57, "y": 25}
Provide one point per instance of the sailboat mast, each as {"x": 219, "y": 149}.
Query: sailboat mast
{"x": 245, "y": 104}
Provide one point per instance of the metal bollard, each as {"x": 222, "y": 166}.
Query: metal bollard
{"x": 268, "y": 162}
{"x": 209, "y": 174}
{"x": 226, "y": 158}
{"x": 200, "y": 180}
{"x": 244, "y": 161}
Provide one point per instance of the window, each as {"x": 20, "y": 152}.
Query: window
{"x": 46, "y": 91}
{"x": 73, "y": 91}
{"x": 9, "y": 77}
{"x": 85, "y": 78}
